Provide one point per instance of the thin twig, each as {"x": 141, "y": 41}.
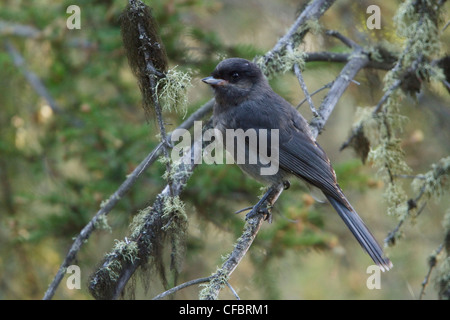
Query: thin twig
{"x": 432, "y": 261}
{"x": 326, "y": 56}
{"x": 181, "y": 286}
{"x": 8, "y": 28}
{"x": 345, "y": 77}
{"x": 411, "y": 204}
{"x": 328, "y": 85}
{"x": 302, "y": 83}
{"x": 314, "y": 10}
{"x": 347, "y": 41}
{"x": 233, "y": 291}
{"x": 37, "y": 84}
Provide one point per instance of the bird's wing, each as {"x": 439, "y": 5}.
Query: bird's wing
{"x": 303, "y": 157}
{"x": 299, "y": 154}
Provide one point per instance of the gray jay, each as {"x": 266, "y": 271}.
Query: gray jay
{"x": 244, "y": 100}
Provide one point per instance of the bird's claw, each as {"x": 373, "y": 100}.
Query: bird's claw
{"x": 265, "y": 211}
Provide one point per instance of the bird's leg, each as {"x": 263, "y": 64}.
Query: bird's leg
{"x": 264, "y": 205}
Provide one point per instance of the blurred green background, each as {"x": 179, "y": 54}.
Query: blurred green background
{"x": 57, "y": 167}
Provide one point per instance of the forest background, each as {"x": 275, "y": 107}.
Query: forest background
{"x": 72, "y": 128}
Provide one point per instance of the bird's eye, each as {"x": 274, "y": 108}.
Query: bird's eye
{"x": 235, "y": 75}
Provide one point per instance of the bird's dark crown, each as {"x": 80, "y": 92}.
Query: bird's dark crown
{"x": 234, "y": 80}
{"x": 235, "y": 70}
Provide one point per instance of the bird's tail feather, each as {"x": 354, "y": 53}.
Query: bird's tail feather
{"x": 362, "y": 234}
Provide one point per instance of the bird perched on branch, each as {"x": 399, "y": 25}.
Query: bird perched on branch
{"x": 245, "y": 100}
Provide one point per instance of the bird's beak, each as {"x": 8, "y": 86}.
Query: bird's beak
{"x": 215, "y": 82}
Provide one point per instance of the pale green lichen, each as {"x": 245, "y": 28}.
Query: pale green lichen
{"x": 391, "y": 157}
{"x": 175, "y": 172}
{"x": 277, "y": 63}
{"x": 174, "y": 212}
{"x": 218, "y": 280}
{"x": 174, "y": 207}
{"x": 434, "y": 182}
{"x": 128, "y": 250}
{"x": 123, "y": 250}
{"x": 418, "y": 22}
{"x": 101, "y": 223}
{"x": 172, "y": 90}
{"x": 138, "y": 222}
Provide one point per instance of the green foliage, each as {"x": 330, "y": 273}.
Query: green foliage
{"x": 350, "y": 175}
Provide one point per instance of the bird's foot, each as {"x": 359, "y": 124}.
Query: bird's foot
{"x": 260, "y": 209}
{"x": 265, "y": 204}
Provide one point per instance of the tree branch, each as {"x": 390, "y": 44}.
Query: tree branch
{"x": 347, "y": 41}
{"x": 37, "y": 84}
{"x": 432, "y": 262}
{"x": 116, "y": 196}
{"x": 314, "y": 10}
{"x": 345, "y": 57}
{"x": 102, "y": 286}
{"x": 358, "y": 61}
{"x": 302, "y": 83}
{"x": 181, "y": 286}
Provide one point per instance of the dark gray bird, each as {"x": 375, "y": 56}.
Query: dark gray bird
{"x": 245, "y": 100}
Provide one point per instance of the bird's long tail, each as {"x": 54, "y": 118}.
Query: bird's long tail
{"x": 361, "y": 233}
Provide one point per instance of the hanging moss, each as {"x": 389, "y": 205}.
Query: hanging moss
{"x": 418, "y": 22}
{"x": 172, "y": 90}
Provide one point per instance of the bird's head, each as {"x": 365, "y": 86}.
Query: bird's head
{"x": 234, "y": 79}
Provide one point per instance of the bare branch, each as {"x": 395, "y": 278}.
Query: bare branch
{"x": 345, "y": 57}
{"x": 432, "y": 261}
{"x": 302, "y": 83}
{"x": 347, "y": 41}
{"x": 37, "y": 83}
{"x": 181, "y": 286}
{"x": 8, "y": 28}
{"x": 327, "y": 86}
{"x": 313, "y": 10}
{"x": 358, "y": 61}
